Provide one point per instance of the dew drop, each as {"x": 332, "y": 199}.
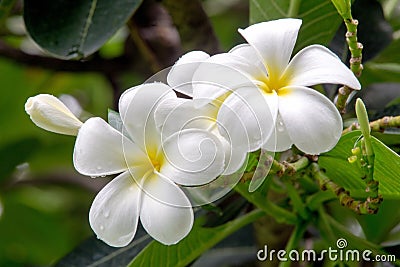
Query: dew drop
{"x": 101, "y": 227}
{"x": 98, "y": 168}
{"x": 280, "y": 126}
{"x": 106, "y": 214}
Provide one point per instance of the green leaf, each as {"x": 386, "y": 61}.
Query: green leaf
{"x": 320, "y": 18}
{"x": 387, "y": 167}
{"x": 75, "y": 29}
{"x": 387, "y": 218}
{"x": 114, "y": 119}
{"x": 196, "y": 243}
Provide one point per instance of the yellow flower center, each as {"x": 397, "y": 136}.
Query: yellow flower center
{"x": 156, "y": 159}
{"x": 273, "y": 82}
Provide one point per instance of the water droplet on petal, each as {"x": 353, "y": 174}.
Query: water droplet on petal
{"x": 101, "y": 227}
{"x": 98, "y": 168}
{"x": 280, "y": 126}
{"x": 106, "y": 214}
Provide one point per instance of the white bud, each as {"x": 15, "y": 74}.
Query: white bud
{"x": 49, "y": 113}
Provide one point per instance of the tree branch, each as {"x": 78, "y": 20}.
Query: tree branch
{"x": 96, "y": 64}
{"x": 193, "y": 25}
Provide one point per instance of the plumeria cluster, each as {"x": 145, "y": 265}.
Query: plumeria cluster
{"x": 165, "y": 150}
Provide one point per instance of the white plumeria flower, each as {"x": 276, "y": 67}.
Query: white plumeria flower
{"x": 301, "y": 115}
{"x": 175, "y": 114}
{"x": 242, "y": 128}
{"x": 150, "y": 167}
{"x": 49, "y": 113}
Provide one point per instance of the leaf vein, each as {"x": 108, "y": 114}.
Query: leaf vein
{"x": 86, "y": 27}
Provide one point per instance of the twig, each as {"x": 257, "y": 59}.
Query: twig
{"x": 281, "y": 168}
{"x": 95, "y": 64}
{"x": 355, "y": 47}
{"x": 369, "y": 206}
{"x": 377, "y": 126}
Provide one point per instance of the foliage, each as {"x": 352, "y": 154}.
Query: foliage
{"x": 97, "y": 49}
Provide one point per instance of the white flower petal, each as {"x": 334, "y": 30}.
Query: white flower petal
{"x": 166, "y": 212}
{"x": 193, "y": 157}
{"x": 49, "y": 113}
{"x": 316, "y": 64}
{"x": 249, "y": 54}
{"x": 137, "y": 106}
{"x": 235, "y": 156}
{"x": 99, "y": 150}
{"x": 173, "y": 115}
{"x": 274, "y": 41}
{"x": 114, "y": 212}
{"x": 181, "y": 74}
{"x": 222, "y": 74}
{"x": 245, "y": 118}
{"x": 279, "y": 139}
{"x": 312, "y": 121}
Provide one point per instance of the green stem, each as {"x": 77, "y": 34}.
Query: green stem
{"x": 355, "y": 47}
{"x": 377, "y": 126}
{"x": 260, "y": 201}
{"x": 297, "y": 202}
{"x": 369, "y": 206}
{"x": 294, "y": 240}
{"x": 325, "y": 227}
{"x": 293, "y": 8}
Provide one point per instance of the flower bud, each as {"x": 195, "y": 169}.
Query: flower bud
{"x": 49, "y": 113}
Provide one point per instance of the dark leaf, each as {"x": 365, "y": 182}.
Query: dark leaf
{"x": 94, "y": 252}
{"x": 75, "y": 29}
{"x": 320, "y": 19}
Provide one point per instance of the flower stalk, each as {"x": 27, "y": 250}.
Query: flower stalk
{"x": 369, "y": 206}
{"x": 280, "y": 168}
{"x": 379, "y": 125}
{"x": 344, "y": 9}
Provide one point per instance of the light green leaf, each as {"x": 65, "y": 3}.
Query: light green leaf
{"x": 320, "y": 18}
{"x": 387, "y": 167}
{"x": 75, "y": 29}
{"x": 114, "y": 119}
{"x": 196, "y": 243}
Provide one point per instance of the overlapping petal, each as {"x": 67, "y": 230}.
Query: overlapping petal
{"x": 312, "y": 121}
{"x": 166, "y": 213}
{"x": 279, "y": 139}
{"x": 102, "y": 150}
{"x": 222, "y": 74}
{"x": 316, "y": 64}
{"x": 114, "y": 213}
{"x": 137, "y": 106}
{"x": 181, "y": 74}
{"x": 274, "y": 41}
{"x": 245, "y": 118}
{"x": 193, "y": 157}
{"x": 175, "y": 114}
{"x": 249, "y": 54}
